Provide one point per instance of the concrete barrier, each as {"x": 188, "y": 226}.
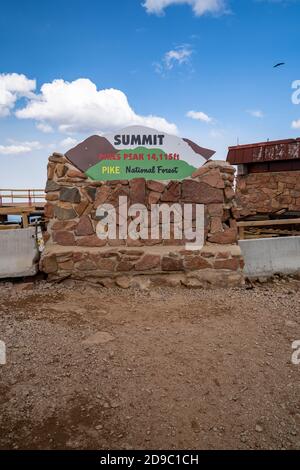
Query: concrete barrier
{"x": 268, "y": 256}
{"x": 19, "y": 253}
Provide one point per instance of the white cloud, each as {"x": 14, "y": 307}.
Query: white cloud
{"x": 200, "y": 7}
{"x": 179, "y": 56}
{"x": 79, "y": 107}
{"x": 43, "y": 127}
{"x": 12, "y": 87}
{"x": 16, "y": 148}
{"x": 67, "y": 143}
{"x": 199, "y": 116}
{"x": 296, "y": 124}
{"x": 257, "y": 113}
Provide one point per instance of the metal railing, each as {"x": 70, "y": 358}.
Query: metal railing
{"x": 30, "y": 197}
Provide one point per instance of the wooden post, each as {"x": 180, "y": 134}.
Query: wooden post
{"x": 25, "y": 219}
{"x": 242, "y": 233}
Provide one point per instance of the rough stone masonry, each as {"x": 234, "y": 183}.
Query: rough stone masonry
{"x": 268, "y": 193}
{"x": 74, "y": 250}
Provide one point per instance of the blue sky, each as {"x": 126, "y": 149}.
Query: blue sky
{"x": 201, "y": 68}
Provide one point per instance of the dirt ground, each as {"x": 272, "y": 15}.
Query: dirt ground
{"x": 90, "y": 368}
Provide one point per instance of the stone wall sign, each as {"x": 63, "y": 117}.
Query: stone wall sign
{"x": 138, "y": 152}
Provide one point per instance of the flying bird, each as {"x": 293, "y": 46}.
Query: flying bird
{"x": 279, "y": 65}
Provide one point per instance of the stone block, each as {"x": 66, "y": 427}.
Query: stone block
{"x": 52, "y": 186}
{"x": 64, "y": 225}
{"x": 124, "y": 266}
{"x": 229, "y": 193}
{"x": 102, "y": 195}
{"x": 215, "y": 210}
{"x": 90, "y": 241}
{"x": 148, "y": 262}
{"x": 156, "y": 186}
{"x": 64, "y": 214}
{"x": 52, "y": 196}
{"x": 230, "y": 264}
{"x": 172, "y": 264}
{"x": 228, "y": 237}
{"x": 216, "y": 225}
{"x": 64, "y": 238}
{"x": 61, "y": 170}
{"x": 50, "y": 171}
{"x": 73, "y": 173}
{"x": 91, "y": 192}
{"x": 172, "y": 192}
{"x": 49, "y": 264}
{"x": 213, "y": 178}
{"x": 107, "y": 264}
{"x": 138, "y": 191}
{"x": 84, "y": 227}
{"x": 153, "y": 197}
{"x": 70, "y": 195}
{"x": 49, "y": 211}
{"x": 66, "y": 265}
{"x": 194, "y": 263}
{"x": 124, "y": 282}
{"x": 83, "y": 207}
{"x": 86, "y": 265}
{"x": 201, "y": 193}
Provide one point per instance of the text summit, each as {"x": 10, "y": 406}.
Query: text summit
{"x": 139, "y": 140}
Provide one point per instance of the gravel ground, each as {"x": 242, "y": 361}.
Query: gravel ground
{"x": 89, "y": 368}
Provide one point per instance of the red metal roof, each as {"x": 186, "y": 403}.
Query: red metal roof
{"x": 276, "y": 150}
